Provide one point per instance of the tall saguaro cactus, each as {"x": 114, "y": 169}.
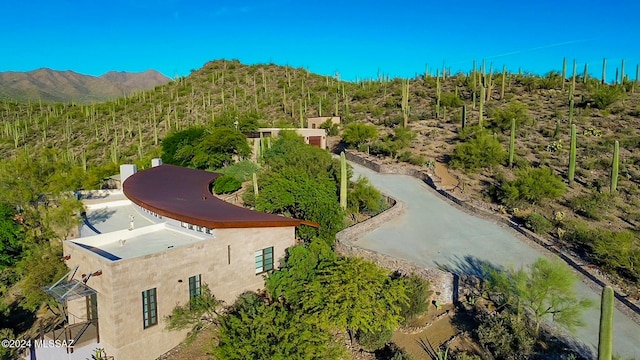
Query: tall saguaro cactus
{"x": 564, "y": 71}
{"x": 405, "y": 103}
{"x": 464, "y": 116}
{"x": 572, "y": 154}
{"x": 605, "y": 336}
{"x": 571, "y": 106}
{"x": 614, "y": 167}
{"x": 604, "y": 70}
{"x": 255, "y": 184}
{"x": 481, "y": 106}
{"x": 512, "y": 140}
{"x": 343, "y": 181}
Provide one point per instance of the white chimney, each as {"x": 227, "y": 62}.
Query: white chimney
{"x": 156, "y": 162}
{"x": 127, "y": 170}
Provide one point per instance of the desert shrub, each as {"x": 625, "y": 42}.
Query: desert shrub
{"x": 450, "y": 100}
{"x": 226, "y": 184}
{"x": 393, "y": 143}
{"x": 538, "y": 223}
{"x": 482, "y": 151}
{"x": 418, "y": 292}
{"x": 615, "y": 251}
{"x": 592, "y": 205}
{"x": 242, "y": 170}
{"x": 532, "y": 185}
{"x": 392, "y": 352}
{"x": 365, "y": 198}
{"x": 463, "y": 355}
{"x": 375, "y": 340}
{"x": 417, "y": 160}
{"x": 500, "y": 119}
{"x": 506, "y": 335}
{"x": 603, "y": 96}
{"x": 551, "y": 80}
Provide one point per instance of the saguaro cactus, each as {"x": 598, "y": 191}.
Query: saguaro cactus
{"x": 572, "y": 154}
{"x": 614, "y": 167}
{"x": 464, "y": 116}
{"x": 571, "y": 105}
{"x": 343, "y": 181}
{"x": 512, "y": 141}
{"x": 605, "y": 337}
{"x": 255, "y": 184}
{"x": 564, "y": 71}
{"x": 481, "y": 106}
{"x": 585, "y": 74}
{"x": 604, "y": 70}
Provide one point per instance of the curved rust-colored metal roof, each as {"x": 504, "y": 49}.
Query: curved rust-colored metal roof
{"x": 183, "y": 194}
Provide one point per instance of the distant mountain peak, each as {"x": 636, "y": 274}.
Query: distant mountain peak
{"x": 63, "y": 86}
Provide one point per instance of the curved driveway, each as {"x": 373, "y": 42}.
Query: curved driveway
{"x": 433, "y": 232}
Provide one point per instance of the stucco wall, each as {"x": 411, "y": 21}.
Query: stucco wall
{"x": 121, "y": 285}
{"x": 315, "y": 122}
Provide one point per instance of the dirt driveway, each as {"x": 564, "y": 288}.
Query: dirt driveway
{"x": 433, "y": 232}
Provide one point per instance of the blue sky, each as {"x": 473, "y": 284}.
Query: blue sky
{"x": 356, "y": 39}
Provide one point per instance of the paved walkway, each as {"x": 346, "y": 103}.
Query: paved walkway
{"x": 433, "y": 232}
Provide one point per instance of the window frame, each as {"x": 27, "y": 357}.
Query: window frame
{"x": 266, "y": 262}
{"x": 149, "y": 308}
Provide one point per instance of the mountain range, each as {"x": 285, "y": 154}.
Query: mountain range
{"x": 67, "y": 86}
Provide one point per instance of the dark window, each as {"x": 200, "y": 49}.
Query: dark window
{"x": 264, "y": 260}
{"x": 149, "y": 308}
{"x": 194, "y": 286}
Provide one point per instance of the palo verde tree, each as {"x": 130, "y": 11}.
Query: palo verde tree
{"x": 356, "y": 134}
{"x": 545, "y": 289}
{"x": 258, "y": 329}
{"x": 302, "y": 181}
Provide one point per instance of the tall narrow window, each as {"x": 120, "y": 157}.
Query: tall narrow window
{"x": 264, "y": 260}
{"x": 194, "y": 286}
{"x": 92, "y": 306}
{"x": 149, "y": 308}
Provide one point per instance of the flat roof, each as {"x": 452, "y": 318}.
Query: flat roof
{"x": 111, "y": 216}
{"x": 183, "y": 194}
{"x": 127, "y": 244}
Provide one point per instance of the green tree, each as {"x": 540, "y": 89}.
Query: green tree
{"x": 545, "y": 289}
{"x": 355, "y": 295}
{"x": 255, "y": 329}
{"x": 356, "y": 134}
{"x": 302, "y": 182}
{"x": 247, "y": 121}
{"x": 299, "y": 270}
{"x": 11, "y": 237}
{"x": 175, "y": 141}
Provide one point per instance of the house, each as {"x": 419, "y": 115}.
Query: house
{"x": 315, "y": 122}
{"x": 314, "y": 137}
{"x": 151, "y": 247}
